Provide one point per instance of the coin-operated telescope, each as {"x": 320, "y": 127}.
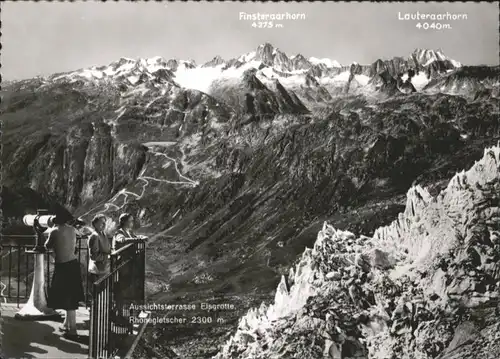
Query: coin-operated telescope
{"x": 40, "y": 222}
{"x": 36, "y": 307}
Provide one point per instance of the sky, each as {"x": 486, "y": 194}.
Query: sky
{"x": 41, "y": 38}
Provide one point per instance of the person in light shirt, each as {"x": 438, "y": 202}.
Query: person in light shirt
{"x": 99, "y": 249}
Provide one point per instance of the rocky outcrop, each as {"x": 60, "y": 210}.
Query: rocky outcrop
{"x": 467, "y": 81}
{"x": 216, "y": 61}
{"x": 299, "y": 62}
{"x": 427, "y": 285}
{"x": 251, "y": 97}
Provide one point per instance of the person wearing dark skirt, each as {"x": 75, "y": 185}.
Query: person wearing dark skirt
{"x": 66, "y": 289}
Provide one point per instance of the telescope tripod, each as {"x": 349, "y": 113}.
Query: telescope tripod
{"x": 36, "y": 308}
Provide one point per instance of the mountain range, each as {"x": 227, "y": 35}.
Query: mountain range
{"x": 232, "y": 167}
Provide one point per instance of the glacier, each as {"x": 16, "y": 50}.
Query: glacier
{"x": 395, "y": 294}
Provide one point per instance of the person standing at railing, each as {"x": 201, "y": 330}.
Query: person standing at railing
{"x": 66, "y": 288}
{"x": 123, "y": 284}
{"x": 125, "y": 233}
{"x": 99, "y": 249}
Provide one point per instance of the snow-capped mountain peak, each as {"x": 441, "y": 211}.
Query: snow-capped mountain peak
{"x": 216, "y": 61}
{"x": 425, "y": 57}
{"x": 265, "y": 53}
{"x": 247, "y": 57}
{"x": 325, "y": 61}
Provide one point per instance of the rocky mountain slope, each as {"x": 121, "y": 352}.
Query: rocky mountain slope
{"x": 231, "y": 183}
{"x": 425, "y": 286}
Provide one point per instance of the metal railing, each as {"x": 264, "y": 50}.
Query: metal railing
{"x": 16, "y": 267}
{"x": 110, "y": 313}
{"x": 108, "y": 298}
